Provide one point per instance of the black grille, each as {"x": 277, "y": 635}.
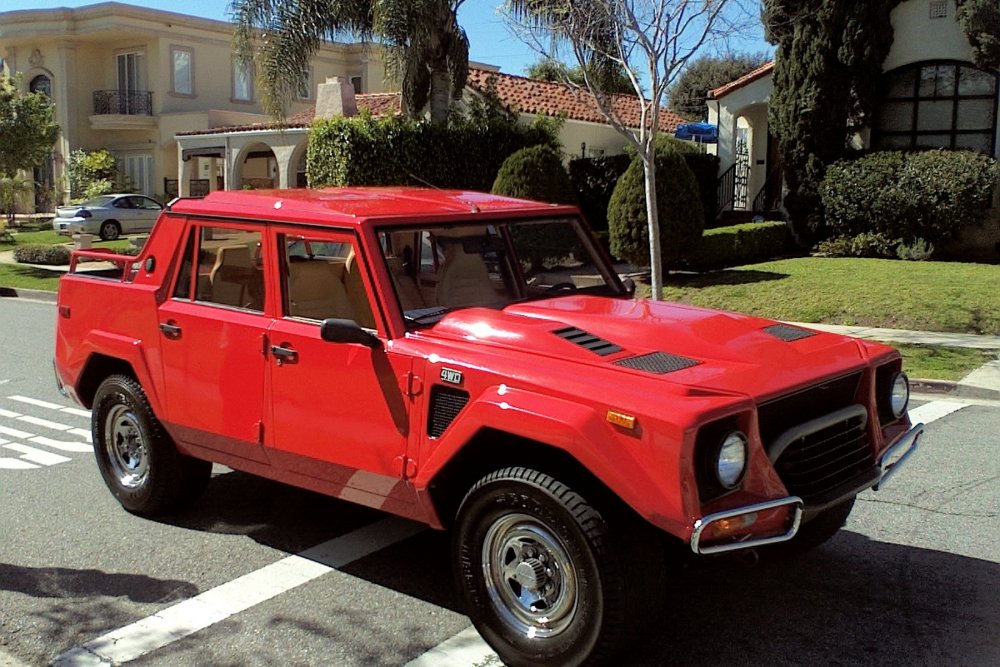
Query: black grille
{"x": 446, "y": 403}
{"x": 788, "y": 333}
{"x": 781, "y": 414}
{"x": 819, "y": 465}
{"x": 587, "y": 341}
{"x": 658, "y": 363}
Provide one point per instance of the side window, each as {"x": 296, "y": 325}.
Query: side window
{"x": 228, "y": 270}
{"x": 324, "y": 279}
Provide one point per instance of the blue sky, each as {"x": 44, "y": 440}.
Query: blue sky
{"x": 491, "y": 41}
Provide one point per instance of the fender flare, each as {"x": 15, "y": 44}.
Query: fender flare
{"x": 125, "y": 348}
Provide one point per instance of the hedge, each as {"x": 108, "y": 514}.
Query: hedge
{"x": 39, "y": 253}
{"x": 737, "y": 245}
{"x": 908, "y": 197}
{"x": 363, "y": 150}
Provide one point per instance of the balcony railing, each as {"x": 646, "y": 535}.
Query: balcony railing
{"x": 123, "y": 102}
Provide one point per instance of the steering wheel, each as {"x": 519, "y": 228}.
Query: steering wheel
{"x": 562, "y": 287}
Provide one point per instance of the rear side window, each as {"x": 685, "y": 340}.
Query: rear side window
{"x": 223, "y": 266}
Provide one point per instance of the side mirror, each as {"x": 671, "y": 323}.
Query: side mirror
{"x": 629, "y": 286}
{"x": 336, "y": 330}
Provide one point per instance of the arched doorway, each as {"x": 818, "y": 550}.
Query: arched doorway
{"x": 257, "y": 168}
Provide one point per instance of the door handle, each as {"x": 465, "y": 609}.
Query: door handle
{"x": 284, "y": 355}
{"x": 170, "y": 330}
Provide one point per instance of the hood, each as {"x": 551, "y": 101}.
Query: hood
{"x": 694, "y": 347}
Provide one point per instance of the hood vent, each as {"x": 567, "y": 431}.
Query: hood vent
{"x": 587, "y": 341}
{"x": 788, "y": 333}
{"x": 658, "y": 363}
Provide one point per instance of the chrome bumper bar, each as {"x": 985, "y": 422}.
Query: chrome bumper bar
{"x": 701, "y": 524}
{"x": 894, "y": 457}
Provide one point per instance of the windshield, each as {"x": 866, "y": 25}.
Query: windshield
{"x": 437, "y": 269}
{"x": 98, "y": 202}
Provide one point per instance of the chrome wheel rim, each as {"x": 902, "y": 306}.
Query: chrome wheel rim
{"x": 125, "y": 447}
{"x": 529, "y": 575}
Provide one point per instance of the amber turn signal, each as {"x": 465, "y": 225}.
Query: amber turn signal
{"x": 621, "y": 419}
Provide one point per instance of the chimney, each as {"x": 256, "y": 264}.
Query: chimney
{"x": 335, "y": 98}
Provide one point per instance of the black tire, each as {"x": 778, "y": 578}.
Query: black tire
{"x": 816, "y": 531}
{"x": 137, "y": 459}
{"x": 544, "y": 577}
{"x": 110, "y": 230}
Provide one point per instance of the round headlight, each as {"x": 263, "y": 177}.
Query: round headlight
{"x": 732, "y": 461}
{"x": 899, "y": 396}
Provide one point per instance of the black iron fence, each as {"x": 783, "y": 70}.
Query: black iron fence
{"x": 124, "y": 102}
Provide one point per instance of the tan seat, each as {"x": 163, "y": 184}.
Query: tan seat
{"x": 407, "y": 291}
{"x": 231, "y": 277}
{"x": 464, "y": 280}
{"x": 316, "y": 291}
{"x": 356, "y": 293}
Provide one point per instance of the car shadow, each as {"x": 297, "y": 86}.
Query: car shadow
{"x": 853, "y": 601}
{"x": 723, "y": 277}
{"x": 61, "y": 582}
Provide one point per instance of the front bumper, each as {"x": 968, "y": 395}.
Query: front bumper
{"x": 888, "y": 465}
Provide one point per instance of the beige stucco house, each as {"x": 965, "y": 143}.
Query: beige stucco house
{"x": 932, "y": 96}
{"x": 129, "y": 79}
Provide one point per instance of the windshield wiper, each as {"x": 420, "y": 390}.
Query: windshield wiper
{"x": 425, "y": 315}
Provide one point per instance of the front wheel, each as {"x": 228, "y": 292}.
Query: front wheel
{"x": 816, "y": 531}
{"x": 110, "y": 230}
{"x": 137, "y": 459}
{"x": 542, "y": 580}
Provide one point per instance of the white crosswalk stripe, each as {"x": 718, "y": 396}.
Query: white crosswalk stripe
{"x": 22, "y": 449}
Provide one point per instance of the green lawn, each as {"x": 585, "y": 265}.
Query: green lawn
{"x": 50, "y": 237}
{"x": 28, "y": 277}
{"x": 933, "y": 362}
{"x": 926, "y": 296}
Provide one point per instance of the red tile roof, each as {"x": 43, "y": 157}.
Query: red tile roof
{"x": 744, "y": 80}
{"x": 517, "y": 93}
{"x": 552, "y": 99}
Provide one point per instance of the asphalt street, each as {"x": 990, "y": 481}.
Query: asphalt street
{"x": 913, "y": 579}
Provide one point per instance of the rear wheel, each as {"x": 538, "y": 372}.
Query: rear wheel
{"x": 545, "y": 580}
{"x": 110, "y": 230}
{"x": 137, "y": 459}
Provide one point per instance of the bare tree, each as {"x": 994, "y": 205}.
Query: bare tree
{"x": 650, "y": 41}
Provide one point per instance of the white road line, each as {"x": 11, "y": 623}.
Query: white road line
{"x": 62, "y": 445}
{"x": 217, "y": 604}
{"x": 929, "y": 412}
{"x": 83, "y": 433}
{"x": 44, "y": 423}
{"x": 38, "y": 456}
{"x": 35, "y": 401}
{"x": 79, "y": 412}
{"x": 16, "y": 433}
{"x": 7, "y": 463}
{"x": 9, "y": 414}
{"x": 463, "y": 650}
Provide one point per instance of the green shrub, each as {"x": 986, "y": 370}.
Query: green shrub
{"x": 363, "y": 150}
{"x": 681, "y": 218}
{"x": 38, "y": 253}
{"x": 538, "y": 173}
{"x": 92, "y": 173}
{"x": 865, "y": 244}
{"x": 903, "y": 197}
{"x": 737, "y": 245}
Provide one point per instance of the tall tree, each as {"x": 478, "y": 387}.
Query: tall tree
{"x": 550, "y": 70}
{"x": 27, "y": 128}
{"x": 427, "y": 50}
{"x": 826, "y": 69}
{"x": 687, "y": 96}
{"x": 981, "y": 21}
{"x": 650, "y": 41}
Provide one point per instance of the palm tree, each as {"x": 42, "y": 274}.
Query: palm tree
{"x": 427, "y": 50}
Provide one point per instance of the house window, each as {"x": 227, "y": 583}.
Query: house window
{"x": 242, "y": 81}
{"x": 41, "y": 84}
{"x": 938, "y": 105}
{"x": 304, "y": 91}
{"x": 137, "y": 168}
{"x": 939, "y": 9}
{"x": 357, "y": 82}
{"x": 182, "y": 81}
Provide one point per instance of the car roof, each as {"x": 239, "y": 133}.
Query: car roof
{"x": 358, "y": 206}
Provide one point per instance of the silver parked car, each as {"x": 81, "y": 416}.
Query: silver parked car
{"x": 108, "y": 216}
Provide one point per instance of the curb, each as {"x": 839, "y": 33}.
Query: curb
{"x": 38, "y": 295}
{"x": 954, "y": 389}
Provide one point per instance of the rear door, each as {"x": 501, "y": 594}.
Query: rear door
{"x": 340, "y": 412}
{"x": 211, "y": 338}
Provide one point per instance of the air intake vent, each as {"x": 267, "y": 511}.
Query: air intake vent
{"x": 658, "y": 363}
{"x": 446, "y": 403}
{"x": 587, "y": 341}
{"x": 788, "y": 333}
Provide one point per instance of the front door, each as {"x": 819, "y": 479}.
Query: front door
{"x": 340, "y": 412}
{"x": 211, "y": 340}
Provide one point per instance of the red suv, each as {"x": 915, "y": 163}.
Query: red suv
{"x": 475, "y": 363}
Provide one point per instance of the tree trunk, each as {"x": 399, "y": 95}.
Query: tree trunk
{"x": 440, "y": 97}
{"x": 655, "y": 256}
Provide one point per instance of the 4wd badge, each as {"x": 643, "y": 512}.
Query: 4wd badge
{"x": 450, "y": 376}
